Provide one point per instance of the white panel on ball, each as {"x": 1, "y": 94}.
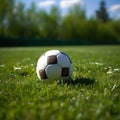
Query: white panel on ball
{"x": 53, "y": 71}
{"x": 41, "y": 64}
{"x": 63, "y": 60}
{"x": 52, "y": 52}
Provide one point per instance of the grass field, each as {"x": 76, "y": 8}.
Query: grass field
{"x": 92, "y": 94}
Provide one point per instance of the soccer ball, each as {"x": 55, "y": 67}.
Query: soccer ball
{"x": 54, "y": 64}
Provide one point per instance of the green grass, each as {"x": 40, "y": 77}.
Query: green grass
{"x": 92, "y": 94}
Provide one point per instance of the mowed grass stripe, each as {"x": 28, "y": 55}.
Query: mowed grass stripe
{"x": 91, "y": 93}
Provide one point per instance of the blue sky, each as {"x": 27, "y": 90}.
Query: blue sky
{"x": 113, "y": 6}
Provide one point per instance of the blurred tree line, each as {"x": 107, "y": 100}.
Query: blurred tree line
{"x": 17, "y": 21}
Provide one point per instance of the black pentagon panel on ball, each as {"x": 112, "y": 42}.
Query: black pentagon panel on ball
{"x": 52, "y": 59}
{"x": 65, "y": 72}
{"x": 43, "y": 74}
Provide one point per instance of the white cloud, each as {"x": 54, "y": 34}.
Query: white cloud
{"x": 114, "y": 8}
{"x": 69, "y": 3}
{"x": 47, "y": 3}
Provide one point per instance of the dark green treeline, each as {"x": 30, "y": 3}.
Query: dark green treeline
{"x": 17, "y": 21}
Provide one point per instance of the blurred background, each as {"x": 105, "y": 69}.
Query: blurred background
{"x": 59, "y": 22}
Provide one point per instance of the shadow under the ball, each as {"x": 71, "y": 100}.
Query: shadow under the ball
{"x": 79, "y": 81}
